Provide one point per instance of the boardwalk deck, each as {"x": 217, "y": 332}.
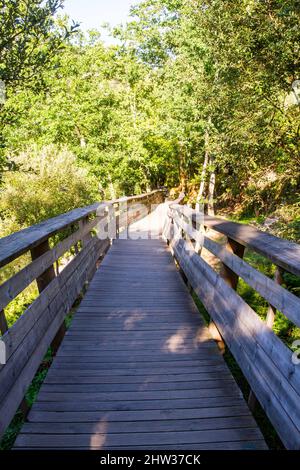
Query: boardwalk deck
{"x": 137, "y": 368}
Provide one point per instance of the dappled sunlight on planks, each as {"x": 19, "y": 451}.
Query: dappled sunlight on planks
{"x": 181, "y": 342}
{"x": 98, "y": 437}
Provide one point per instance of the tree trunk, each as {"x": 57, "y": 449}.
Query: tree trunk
{"x": 182, "y": 169}
{"x": 80, "y": 137}
{"x": 111, "y": 189}
{"x": 211, "y": 188}
{"x": 200, "y": 195}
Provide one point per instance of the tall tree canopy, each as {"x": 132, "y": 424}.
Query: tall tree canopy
{"x": 199, "y": 94}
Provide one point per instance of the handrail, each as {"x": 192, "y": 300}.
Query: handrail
{"x": 42, "y": 324}
{"x": 13, "y": 246}
{"x": 281, "y": 252}
{"x": 265, "y": 360}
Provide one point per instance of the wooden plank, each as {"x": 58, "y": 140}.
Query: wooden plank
{"x": 207, "y": 402}
{"x": 145, "y": 380}
{"x": 166, "y": 425}
{"x": 35, "y": 312}
{"x": 135, "y": 416}
{"x": 137, "y": 395}
{"x": 131, "y": 387}
{"x": 134, "y": 439}
{"x": 282, "y": 299}
{"x": 18, "y": 243}
{"x": 237, "y": 445}
{"x": 281, "y": 252}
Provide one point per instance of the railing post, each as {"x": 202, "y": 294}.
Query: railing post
{"x": 117, "y": 209}
{"x": 252, "y": 400}
{"x": 3, "y": 323}
{"x": 230, "y": 277}
{"x": 278, "y": 278}
{"x": 42, "y": 282}
{"x": 44, "y": 279}
{"x": 87, "y": 237}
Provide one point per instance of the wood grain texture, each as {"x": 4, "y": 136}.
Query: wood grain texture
{"x": 138, "y": 369}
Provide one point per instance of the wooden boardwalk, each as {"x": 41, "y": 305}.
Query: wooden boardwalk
{"x": 137, "y": 368}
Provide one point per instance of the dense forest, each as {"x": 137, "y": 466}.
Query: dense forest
{"x": 200, "y": 96}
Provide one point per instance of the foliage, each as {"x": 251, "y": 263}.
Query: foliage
{"x": 28, "y": 39}
{"x": 46, "y": 187}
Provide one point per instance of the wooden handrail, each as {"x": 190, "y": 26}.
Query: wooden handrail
{"x": 283, "y": 253}
{"x": 265, "y": 360}
{"x": 13, "y": 246}
{"x": 42, "y": 324}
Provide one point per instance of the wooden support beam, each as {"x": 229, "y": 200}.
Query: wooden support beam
{"x": 278, "y": 278}
{"x": 87, "y": 236}
{"x": 42, "y": 282}
{"x": 232, "y": 279}
{"x": 3, "y": 323}
{"x": 47, "y": 276}
{"x": 229, "y": 276}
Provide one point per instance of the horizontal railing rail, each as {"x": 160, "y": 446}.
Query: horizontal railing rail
{"x": 42, "y": 324}
{"x": 267, "y": 363}
{"x": 281, "y": 252}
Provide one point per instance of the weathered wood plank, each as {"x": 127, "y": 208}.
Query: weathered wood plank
{"x": 281, "y": 252}
{"x": 98, "y": 439}
{"x": 167, "y": 425}
{"x": 131, "y": 387}
{"x": 282, "y": 299}
{"x": 210, "y": 402}
{"x": 135, "y": 416}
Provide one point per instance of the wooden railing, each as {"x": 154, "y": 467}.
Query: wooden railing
{"x": 265, "y": 360}
{"x": 42, "y": 324}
